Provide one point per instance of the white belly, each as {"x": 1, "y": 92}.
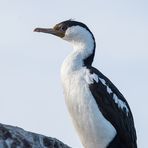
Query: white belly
{"x": 93, "y": 129}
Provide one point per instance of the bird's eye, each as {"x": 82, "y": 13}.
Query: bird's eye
{"x": 63, "y": 28}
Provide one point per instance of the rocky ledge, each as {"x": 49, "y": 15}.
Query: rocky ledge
{"x": 15, "y": 137}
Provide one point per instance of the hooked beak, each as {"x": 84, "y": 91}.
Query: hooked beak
{"x": 50, "y": 31}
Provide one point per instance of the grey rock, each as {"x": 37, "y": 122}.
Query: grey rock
{"x": 15, "y": 137}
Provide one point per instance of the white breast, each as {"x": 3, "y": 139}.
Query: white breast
{"x": 93, "y": 129}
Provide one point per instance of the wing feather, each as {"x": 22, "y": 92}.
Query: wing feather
{"x": 120, "y": 117}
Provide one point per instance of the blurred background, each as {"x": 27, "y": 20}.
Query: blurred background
{"x": 31, "y": 94}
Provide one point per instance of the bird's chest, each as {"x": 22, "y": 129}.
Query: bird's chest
{"x": 75, "y": 91}
{"x": 77, "y": 94}
{"x": 74, "y": 83}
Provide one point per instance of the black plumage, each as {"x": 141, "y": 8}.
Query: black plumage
{"x": 122, "y": 122}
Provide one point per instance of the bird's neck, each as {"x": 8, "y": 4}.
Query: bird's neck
{"x": 84, "y": 51}
{"x": 81, "y": 56}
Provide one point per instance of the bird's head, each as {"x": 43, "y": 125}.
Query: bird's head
{"x": 77, "y": 33}
{"x": 71, "y": 31}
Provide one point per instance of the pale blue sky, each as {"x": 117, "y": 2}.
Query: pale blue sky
{"x": 30, "y": 89}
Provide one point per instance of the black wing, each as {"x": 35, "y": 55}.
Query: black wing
{"x": 118, "y": 117}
